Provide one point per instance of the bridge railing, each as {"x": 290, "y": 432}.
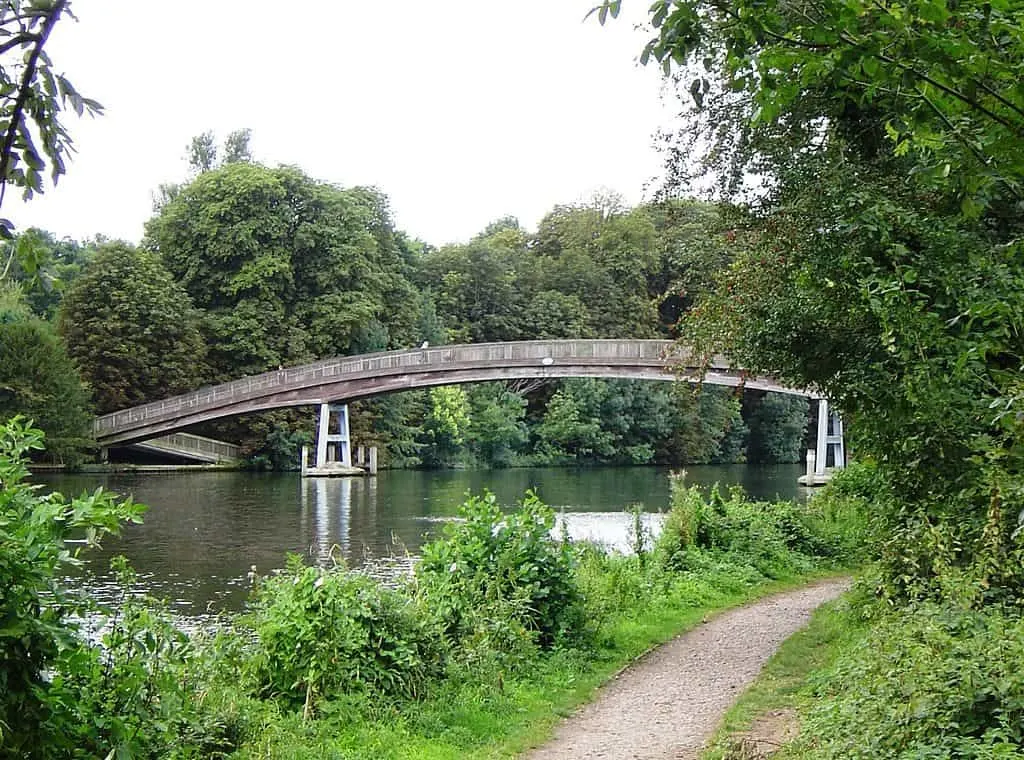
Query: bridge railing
{"x": 189, "y": 445}
{"x": 651, "y": 352}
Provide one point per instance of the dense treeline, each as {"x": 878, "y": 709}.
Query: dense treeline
{"x": 245, "y": 268}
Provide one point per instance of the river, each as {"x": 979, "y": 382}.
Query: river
{"x": 205, "y": 530}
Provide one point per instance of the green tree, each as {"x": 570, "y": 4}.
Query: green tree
{"x": 571, "y": 428}
{"x": 39, "y": 381}
{"x": 606, "y": 257}
{"x": 552, "y": 314}
{"x": 131, "y": 329}
{"x": 236, "y": 147}
{"x": 446, "y": 426}
{"x": 704, "y": 424}
{"x": 778, "y": 423}
{"x": 45, "y": 267}
{"x": 883, "y": 262}
{"x": 284, "y": 268}
{"x": 496, "y": 428}
{"x": 202, "y": 152}
{"x": 478, "y": 286}
{"x": 695, "y": 240}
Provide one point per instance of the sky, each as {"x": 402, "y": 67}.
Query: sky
{"x": 461, "y": 111}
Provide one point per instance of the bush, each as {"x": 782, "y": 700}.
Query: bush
{"x": 776, "y": 538}
{"x": 136, "y": 696}
{"x": 499, "y": 577}
{"x": 322, "y": 633}
{"x": 928, "y": 681}
{"x": 38, "y": 614}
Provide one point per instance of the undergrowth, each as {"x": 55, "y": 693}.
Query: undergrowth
{"x": 503, "y": 627}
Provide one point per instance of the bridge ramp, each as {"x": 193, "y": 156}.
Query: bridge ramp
{"x": 194, "y": 447}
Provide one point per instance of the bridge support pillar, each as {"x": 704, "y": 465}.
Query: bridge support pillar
{"x": 830, "y": 440}
{"x": 340, "y": 440}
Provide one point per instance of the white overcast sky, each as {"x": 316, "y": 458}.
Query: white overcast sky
{"x": 461, "y": 111}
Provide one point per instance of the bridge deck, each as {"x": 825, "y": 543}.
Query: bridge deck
{"x": 353, "y": 377}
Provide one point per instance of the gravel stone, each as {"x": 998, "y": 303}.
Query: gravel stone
{"x": 668, "y": 703}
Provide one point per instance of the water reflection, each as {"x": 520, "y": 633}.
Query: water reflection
{"x": 204, "y": 531}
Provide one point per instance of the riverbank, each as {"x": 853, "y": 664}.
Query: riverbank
{"x": 505, "y": 714}
{"x": 502, "y": 629}
{"x": 503, "y": 688}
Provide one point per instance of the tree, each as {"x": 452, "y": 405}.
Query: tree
{"x": 777, "y": 427}
{"x": 42, "y": 267}
{"x": 882, "y": 260}
{"x": 202, "y": 152}
{"x": 553, "y": 314}
{"x": 496, "y": 424}
{"x": 284, "y": 268}
{"x": 236, "y": 147}
{"x": 33, "y": 98}
{"x": 446, "y": 426}
{"x": 570, "y": 430}
{"x": 131, "y": 329}
{"x": 478, "y": 286}
{"x": 605, "y": 257}
{"x": 39, "y": 381}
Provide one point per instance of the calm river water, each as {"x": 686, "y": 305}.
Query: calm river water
{"x": 204, "y": 531}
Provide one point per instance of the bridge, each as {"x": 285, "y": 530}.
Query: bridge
{"x": 192, "y": 447}
{"x": 348, "y": 378}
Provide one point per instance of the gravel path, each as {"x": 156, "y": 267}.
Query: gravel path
{"x": 669, "y": 703}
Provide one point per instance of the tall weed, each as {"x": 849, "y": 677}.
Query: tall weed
{"x": 775, "y": 538}
{"x": 502, "y": 578}
{"x": 321, "y": 633}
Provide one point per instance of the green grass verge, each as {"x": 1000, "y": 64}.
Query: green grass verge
{"x": 488, "y": 720}
{"x": 782, "y": 684}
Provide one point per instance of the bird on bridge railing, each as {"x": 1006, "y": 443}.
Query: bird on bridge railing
{"x": 426, "y": 344}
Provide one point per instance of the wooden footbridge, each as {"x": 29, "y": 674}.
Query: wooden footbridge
{"x": 348, "y": 378}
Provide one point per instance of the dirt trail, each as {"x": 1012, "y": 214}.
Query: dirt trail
{"x": 669, "y": 703}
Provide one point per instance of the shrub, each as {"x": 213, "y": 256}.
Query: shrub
{"x": 773, "y": 537}
{"x": 503, "y": 572}
{"x": 38, "y": 628}
{"x": 136, "y": 696}
{"x": 320, "y": 633}
{"x": 928, "y": 681}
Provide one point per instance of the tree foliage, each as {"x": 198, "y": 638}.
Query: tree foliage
{"x": 777, "y": 427}
{"x": 284, "y": 268}
{"x": 882, "y": 260}
{"x": 131, "y": 329}
{"x": 39, "y": 381}
{"x": 33, "y": 98}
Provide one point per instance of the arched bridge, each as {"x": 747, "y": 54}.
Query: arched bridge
{"x": 348, "y": 378}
